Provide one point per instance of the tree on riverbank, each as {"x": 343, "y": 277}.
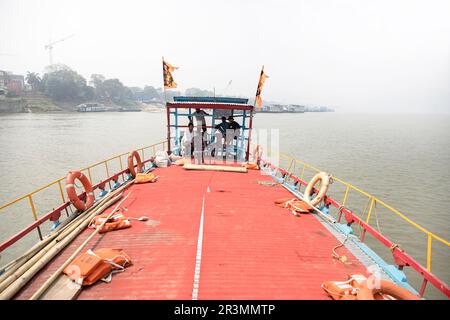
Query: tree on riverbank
{"x": 34, "y": 80}
{"x": 110, "y": 90}
{"x": 64, "y": 84}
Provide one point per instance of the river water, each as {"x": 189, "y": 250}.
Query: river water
{"x": 402, "y": 159}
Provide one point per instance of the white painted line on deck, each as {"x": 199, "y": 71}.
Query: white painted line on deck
{"x": 198, "y": 258}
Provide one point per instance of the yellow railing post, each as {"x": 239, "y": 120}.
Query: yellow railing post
{"x": 372, "y": 202}
{"x": 89, "y": 174}
{"x": 107, "y": 170}
{"x": 303, "y": 171}
{"x": 290, "y": 165}
{"x": 345, "y": 195}
{"x": 430, "y": 239}
{"x": 33, "y": 209}
{"x": 120, "y": 161}
{"x": 61, "y": 191}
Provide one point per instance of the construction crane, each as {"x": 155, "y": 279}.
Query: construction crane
{"x": 50, "y": 45}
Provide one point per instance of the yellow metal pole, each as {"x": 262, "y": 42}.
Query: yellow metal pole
{"x": 89, "y": 174}
{"x": 345, "y": 195}
{"x": 121, "y": 165}
{"x": 430, "y": 239}
{"x": 303, "y": 171}
{"x": 61, "y": 191}
{"x": 107, "y": 170}
{"x": 290, "y": 165}
{"x": 33, "y": 209}
{"x": 372, "y": 202}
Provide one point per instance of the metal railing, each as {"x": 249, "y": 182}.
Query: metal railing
{"x": 107, "y": 177}
{"x": 294, "y": 165}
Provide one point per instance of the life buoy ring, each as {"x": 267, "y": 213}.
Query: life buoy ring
{"x": 72, "y": 193}
{"x": 324, "y": 183}
{"x": 134, "y": 155}
{"x": 385, "y": 288}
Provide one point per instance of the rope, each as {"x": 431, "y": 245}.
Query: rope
{"x": 395, "y": 246}
{"x": 361, "y": 229}
{"x": 331, "y": 179}
{"x": 376, "y": 217}
{"x": 336, "y": 256}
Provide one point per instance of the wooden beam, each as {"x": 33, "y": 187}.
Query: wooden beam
{"x": 205, "y": 167}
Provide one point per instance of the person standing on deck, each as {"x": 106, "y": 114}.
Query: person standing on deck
{"x": 187, "y": 142}
{"x": 222, "y": 129}
{"x": 199, "y": 115}
{"x": 234, "y": 126}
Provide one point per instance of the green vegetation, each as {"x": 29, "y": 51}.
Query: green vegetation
{"x": 64, "y": 84}
{"x": 34, "y": 80}
{"x": 61, "y": 88}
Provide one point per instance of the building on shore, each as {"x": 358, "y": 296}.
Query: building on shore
{"x": 11, "y": 83}
{"x": 282, "y": 108}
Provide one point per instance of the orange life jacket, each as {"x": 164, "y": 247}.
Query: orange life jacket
{"x": 294, "y": 204}
{"x": 182, "y": 162}
{"x": 343, "y": 290}
{"x": 144, "y": 178}
{"x": 115, "y": 222}
{"x": 250, "y": 165}
{"x": 355, "y": 288}
{"x": 92, "y": 266}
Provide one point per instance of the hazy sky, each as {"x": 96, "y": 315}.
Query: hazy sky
{"x": 358, "y": 55}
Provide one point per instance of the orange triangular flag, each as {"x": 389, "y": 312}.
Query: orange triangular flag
{"x": 169, "y": 83}
{"x": 262, "y": 78}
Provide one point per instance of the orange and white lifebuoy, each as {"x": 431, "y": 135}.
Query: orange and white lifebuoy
{"x": 384, "y": 288}
{"x": 72, "y": 193}
{"x": 324, "y": 179}
{"x": 134, "y": 155}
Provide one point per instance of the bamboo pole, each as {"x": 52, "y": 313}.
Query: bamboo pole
{"x": 206, "y": 167}
{"x": 17, "y": 280}
{"x": 49, "y": 281}
{"x": 101, "y": 206}
{"x": 64, "y": 226}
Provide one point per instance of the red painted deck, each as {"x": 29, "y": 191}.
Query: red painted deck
{"x": 251, "y": 248}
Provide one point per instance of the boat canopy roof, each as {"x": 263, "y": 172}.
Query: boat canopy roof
{"x": 210, "y": 103}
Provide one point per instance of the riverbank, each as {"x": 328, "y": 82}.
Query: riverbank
{"x": 39, "y": 103}
{"x": 31, "y": 103}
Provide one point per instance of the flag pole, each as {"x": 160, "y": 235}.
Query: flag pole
{"x": 262, "y": 70}
{"x": 167, "y": 113}
{"x": 164, "y": 87}
{"x": 247, "y": 155}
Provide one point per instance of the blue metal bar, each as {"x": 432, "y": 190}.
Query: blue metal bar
{"x": 177, "y": 134}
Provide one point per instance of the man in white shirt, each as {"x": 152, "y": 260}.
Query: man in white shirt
{"x": 187, "y": 142}
{"x": 199, "y": 115}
